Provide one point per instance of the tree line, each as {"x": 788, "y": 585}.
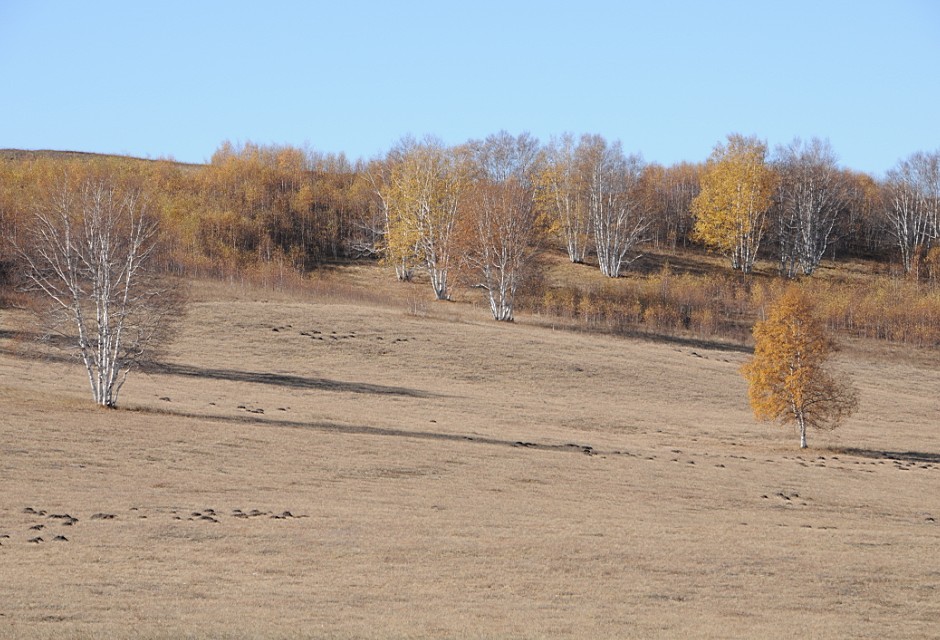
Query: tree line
{"x": 476, "y": 214}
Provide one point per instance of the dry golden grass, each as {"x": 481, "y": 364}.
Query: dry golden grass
{"x": 450, "y": 477}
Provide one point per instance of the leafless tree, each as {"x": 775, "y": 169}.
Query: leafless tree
{"x": 667, "y": 194}
{"x": 500, "y": 225}
{"x": 912, "y": 204}
{"x": 561, "y": 194}
{"x": 812, "y": 194}
{"x": 372, "y": 217}
{"x": 618, "y": 219}
{"x": 500, "y": 243}
{"x": 502, "y": 156}
{"x": 87, "y": 252}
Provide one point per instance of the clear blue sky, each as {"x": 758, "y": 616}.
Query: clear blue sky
{"x": 668, "y": 78}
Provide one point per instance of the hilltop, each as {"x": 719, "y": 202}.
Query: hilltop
{"x": 32, "y": 154}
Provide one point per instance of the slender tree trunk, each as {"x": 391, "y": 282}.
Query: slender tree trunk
{"x": 802, "y": 422}
{"x": 439, "y": 283}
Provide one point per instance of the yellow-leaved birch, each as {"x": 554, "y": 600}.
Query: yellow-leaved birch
{"x": 423, "y": 198}
{"x": 730, "y": 210}
{"x": 788, "y": 378}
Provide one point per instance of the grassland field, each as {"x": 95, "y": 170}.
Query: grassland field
{"x": 346, "y": 465}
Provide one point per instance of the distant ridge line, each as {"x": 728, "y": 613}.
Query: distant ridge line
{"x": 30, "y": 154}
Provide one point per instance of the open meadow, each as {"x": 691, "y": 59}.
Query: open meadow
{"x": 313, "y": 465}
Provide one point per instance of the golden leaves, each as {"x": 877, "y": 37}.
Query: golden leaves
{"x": 736, "y": 191}
{"x": 788, "y": 378}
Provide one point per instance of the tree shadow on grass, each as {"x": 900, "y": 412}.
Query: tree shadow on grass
{"x": 635, "y": 333}
{"x": 285, "y": 380}
{"x": 388, "y": 432}
{"x": 689, "y": 261}
{"x": 22, "y": 338}
{"x": 879, "y": 454}
{"x": 701, "y": 343}
{"x": 227, "y": 375}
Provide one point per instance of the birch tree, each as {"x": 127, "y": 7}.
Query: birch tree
{"x": 736, "y": 192}
{"x": 501, "y": 223}
{"x": 912, "y": 205}
{"x": 423, "y": 198}
{"x": 789, "y": 379}
{"x": 88, "y": 248}
{"x": 561, "y": 196}
{"x": 618, "y": 219}
{"x": 812, "y": 194}
{"x": 370, "y": 213}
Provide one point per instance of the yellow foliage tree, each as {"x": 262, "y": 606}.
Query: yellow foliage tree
{"x": 788, "y": 378}
{"x": 423, "y": 197}
{"x": 737, "y": 189}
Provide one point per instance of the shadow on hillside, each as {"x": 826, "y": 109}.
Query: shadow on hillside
{"x": 701, "y": 343}
{"x": 229, "y": 375}
{"x": 348, "y": 429}
{"x": 30, "y": 345}
{"x": 285, "y": 380}
{"x": 679, "y": 263}
{"x": 644, "y": 336}
{"x": 904, "y": 456}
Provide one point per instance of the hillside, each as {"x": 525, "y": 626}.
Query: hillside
{"x": 348, "y": 463}
{"x": 22, "y": 155}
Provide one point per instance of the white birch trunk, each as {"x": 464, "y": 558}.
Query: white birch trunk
{"x": 802, "y": 420}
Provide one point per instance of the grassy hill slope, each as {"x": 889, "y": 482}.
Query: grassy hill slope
{"x": 344, "y": 464}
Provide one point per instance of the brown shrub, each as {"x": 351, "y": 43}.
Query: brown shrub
{"x": 881, "y": 307}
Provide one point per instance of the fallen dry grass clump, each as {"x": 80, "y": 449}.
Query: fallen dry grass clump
{"x": 300, "y": 465}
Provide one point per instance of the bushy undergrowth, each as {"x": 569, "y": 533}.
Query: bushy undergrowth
{"x": 716, "y": 306}
{"x": 883, "y": 308}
